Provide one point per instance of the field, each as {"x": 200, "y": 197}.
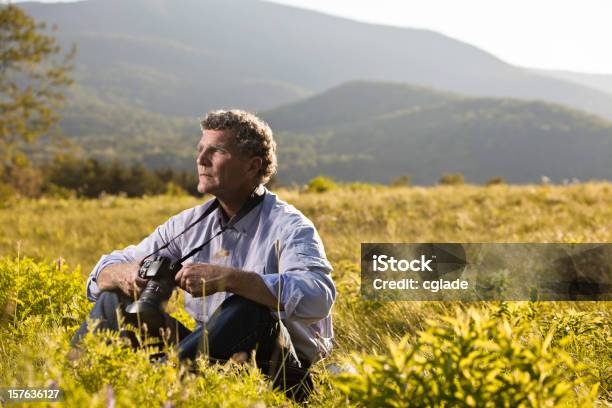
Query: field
{"x": 389, "y": 354}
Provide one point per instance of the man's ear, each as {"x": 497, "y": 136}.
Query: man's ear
{"x": 255, "y": 164}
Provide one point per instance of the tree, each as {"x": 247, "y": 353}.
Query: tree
{"x": 34, "y": 73}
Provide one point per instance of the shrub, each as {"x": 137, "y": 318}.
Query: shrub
{"x": 320, "y": 184}
{"x": 174, "y": 190}
{"x": 401, "y": 181}
{"x": 473, "y": 359}
{"x": 452, "y": 179}
{"x": 495, "y": 181}
{"x": 47, "y": 290}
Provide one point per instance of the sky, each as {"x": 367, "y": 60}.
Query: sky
{"x": 548, "y": 34}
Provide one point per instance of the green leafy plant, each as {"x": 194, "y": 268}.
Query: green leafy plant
{"x": 320, "y": 184}
{"x": 470, "y": 359}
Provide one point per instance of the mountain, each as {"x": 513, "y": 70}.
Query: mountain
{"x": 601, "y": 82}
{"x": 424, "y": 133}
{"x": 375, "y": 131}
{"x": 334, "y": 91}
{"x": 350, "y": 102}
{"x": 184, "y": 57}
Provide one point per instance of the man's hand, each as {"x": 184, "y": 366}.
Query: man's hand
{"x": 123, "y": 277}
{"x": 204, "y": 279}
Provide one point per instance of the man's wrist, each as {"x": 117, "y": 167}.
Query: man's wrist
{"x": 105, "y": 279}
{"x": 111, "y": 276}
{"x": 232, "y": 279}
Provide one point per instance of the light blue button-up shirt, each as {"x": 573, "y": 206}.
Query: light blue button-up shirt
{"x": 306, "y": 287}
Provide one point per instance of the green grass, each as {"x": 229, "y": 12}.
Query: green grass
{"x": 419, "y": 353}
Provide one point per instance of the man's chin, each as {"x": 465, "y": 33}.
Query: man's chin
{"x": 204, "y": 189}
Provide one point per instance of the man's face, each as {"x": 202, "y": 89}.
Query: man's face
{"x": 222, "y": 169}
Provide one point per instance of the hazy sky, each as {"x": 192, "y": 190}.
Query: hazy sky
{"x": 552, "y": 34}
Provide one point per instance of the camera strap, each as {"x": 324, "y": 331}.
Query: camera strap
{"x": 254, "y": 199}
{"x": 212, "y": 207}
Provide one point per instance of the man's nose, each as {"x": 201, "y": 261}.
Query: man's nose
{"x": 203, "y": 159}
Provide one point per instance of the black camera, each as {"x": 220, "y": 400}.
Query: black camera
{"x": 160, "y": 272}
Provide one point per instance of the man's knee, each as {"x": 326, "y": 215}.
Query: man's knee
{"x": 106, "y": 305}
{"x": 108, "y": 308}
{"x": 107, "y": 296}
{"x": 104, "y": 311}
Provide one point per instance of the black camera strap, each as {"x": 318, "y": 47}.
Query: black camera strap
{"x": 212, "y": 207}
{"x": 254, "y": 199}
{"x": 252, "y": 202}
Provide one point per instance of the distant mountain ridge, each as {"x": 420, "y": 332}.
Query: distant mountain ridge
{"x": 424, "y": 134}
{"x": 183, "y": 57}
{"x": 372, "y": 131}
{"x": 356, "y": 100}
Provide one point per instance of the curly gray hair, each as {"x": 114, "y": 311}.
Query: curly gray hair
{"x": 252, "y": 135}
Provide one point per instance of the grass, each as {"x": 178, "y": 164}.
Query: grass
{"x": 419, "y": 353}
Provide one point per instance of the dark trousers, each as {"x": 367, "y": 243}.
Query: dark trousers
{"x": 238, "y": 325}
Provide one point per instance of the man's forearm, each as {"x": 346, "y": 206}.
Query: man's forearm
{"x": 110, "y": 277}
{"x": 250, "y": 285}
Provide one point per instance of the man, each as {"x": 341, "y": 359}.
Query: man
{"x": 270, "y": 259}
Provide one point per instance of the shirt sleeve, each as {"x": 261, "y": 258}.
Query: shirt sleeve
{"x": 307, "y": 290}
{"x": 135, "y": 253}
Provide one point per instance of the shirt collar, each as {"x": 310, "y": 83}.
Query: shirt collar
{"x": 247, "y": 223}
